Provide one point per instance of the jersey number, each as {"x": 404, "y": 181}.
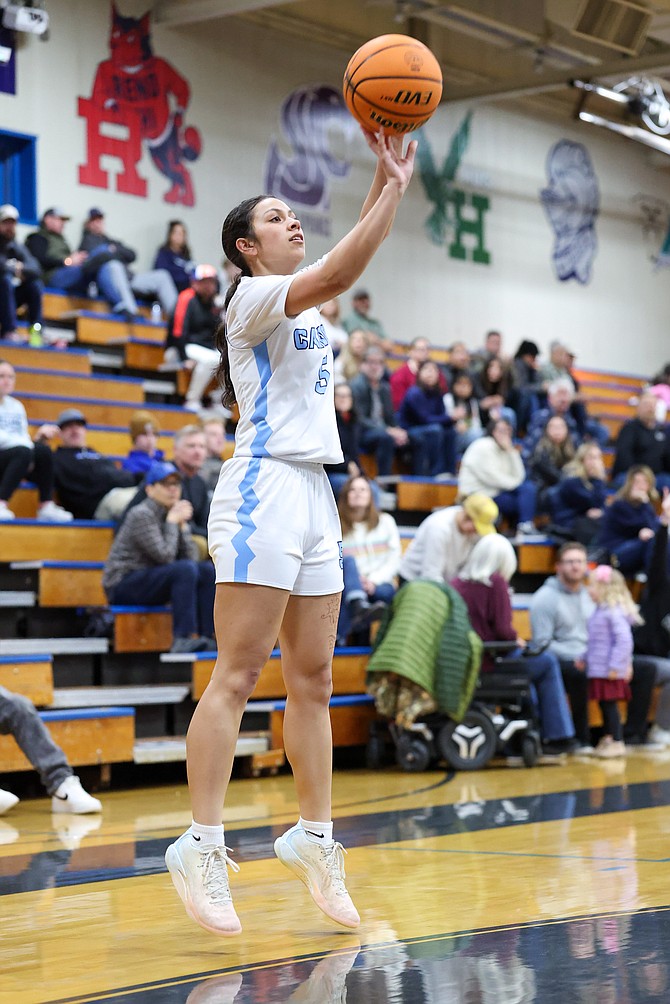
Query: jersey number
{"x": 324, "y": 377}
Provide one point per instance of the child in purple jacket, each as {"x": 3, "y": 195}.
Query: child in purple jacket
{"x": 609, "y": 652}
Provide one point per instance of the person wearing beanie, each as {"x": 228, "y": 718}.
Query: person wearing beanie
{"x": 144, "y": 431}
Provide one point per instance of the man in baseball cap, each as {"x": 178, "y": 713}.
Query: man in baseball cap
{"x": 62, "y": 267}
{"x": 445, "y": 538}
{"x": 21, "y": 283}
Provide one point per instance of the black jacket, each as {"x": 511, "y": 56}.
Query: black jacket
{"x": 348, "y": 432}
{"x": 362, "y": 392}
{"x": 104, "y": 248}
{"x": 13, "y": 250}
{"x": 637, "y": 444}
{"x": 653, "y": 637}
{"x": 83, "y": 477}
{"x": 193, "y": 321}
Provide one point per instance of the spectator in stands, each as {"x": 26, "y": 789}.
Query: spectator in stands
{"x": 144, "y": 432}
{"x": 578, "y": 503}
{"x": 157, "y": 284}
{"x": 559, "y": 367}
{"x": 67, "y": 270}
{"x": 349, "y": 361}
{"x": 628, "y": 525}
{"x": 459, "y": 362}
{"x": 559, "y": 397}
{"x": 380, "y": 435}
{"x": 493, "y": 388}
{"x": 431, "y": 430}
{"x": 175, "y": 256}
{"x": 559, "y": 613}
{"x": 405, "y": 376}
{"x": 360, "y": 318}
{"x": 493, "y": 349}
{"x": 660, "y": 388}
{"x": 20, "y": 282}
{"x": 153, "y": 560}
{"x": 19, "y": 719}
{"x": 552, "y": 452}
{"x": 445, "y": 539}
{"x": 330, "y": 317}
{"x": 652, "y": 637}
{"x": 21, "y": 457}
{"x": 215, "y": 441}
{"x": 492, "y": 466}
{"x": 643, "y": 440}
{"x": 483, "y": 582}
{"x": 463, "y": 409}
{"x": 349, "y": 433}
{"x": 89, "y": 485}
{"x": 191, "y": 332}
{"x": 190, "y": 450}
{"x": 371, "y": 538}
{"x": 527, "y": 383}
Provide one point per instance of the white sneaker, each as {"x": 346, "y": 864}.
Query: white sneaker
{"x": 7, "y": 801}
{"x": 321, "y": 868}
{"x": 658, "y": 735}
{"x": 52, "y": 513}
{"x": 200, "y": 876}
{"x": 69, "y": 796}
{"x": 6, "y": 513}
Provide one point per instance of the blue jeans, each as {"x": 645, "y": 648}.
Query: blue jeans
{"x": 188, "y": 586}
{"x": 11, "y": 297}
{"x": 376, "y": 440}
{"x": 72, "y": 279}
{"x": 433, "y": 449}
{"x": 18, "y": 718}
{"x": 545, "y": 674}
{"x": 633, "y": 556}
{"x": 520, "y": 503}
{"x": 353, "y": 590}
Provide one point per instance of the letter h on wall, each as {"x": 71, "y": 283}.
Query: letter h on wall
{"x": 468, "y": 225}
{"x": 127, "y": 149}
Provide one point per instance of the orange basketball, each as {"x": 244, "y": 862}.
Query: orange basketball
{"x": 393, "y": 83}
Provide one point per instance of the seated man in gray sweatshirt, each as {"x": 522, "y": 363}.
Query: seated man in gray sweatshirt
{"x": 559, "y": 613}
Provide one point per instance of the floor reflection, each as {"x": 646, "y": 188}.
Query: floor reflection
{"x": 620, "y": 959}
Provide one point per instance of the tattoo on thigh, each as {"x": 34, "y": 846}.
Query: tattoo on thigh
{"x": 332, "y": 610}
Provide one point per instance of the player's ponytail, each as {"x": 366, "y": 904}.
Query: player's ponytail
{"x": 236, "y": 224}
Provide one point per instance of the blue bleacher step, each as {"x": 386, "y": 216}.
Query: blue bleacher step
{"x": 88, "y": 697}
{"x": 53, "y": 646}
{"x": 173, "y": 748}
{"x": 17, "y": 598}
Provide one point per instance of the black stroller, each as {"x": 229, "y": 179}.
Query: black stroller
{"x": 500, "y": 721}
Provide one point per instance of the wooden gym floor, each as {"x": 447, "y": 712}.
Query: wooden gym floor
{"x": 503, "y": 886}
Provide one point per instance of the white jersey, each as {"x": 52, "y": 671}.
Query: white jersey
{"x": 281, "y": 369}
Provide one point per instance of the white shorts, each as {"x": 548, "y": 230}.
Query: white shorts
{"x": 275, "y": 523}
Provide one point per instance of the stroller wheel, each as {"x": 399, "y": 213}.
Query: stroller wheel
{"x": 412, "y": 754}
{"x": 470, "y": 744}
{"x": 530, "y": 750}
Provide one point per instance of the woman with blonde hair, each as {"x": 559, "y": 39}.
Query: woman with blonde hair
{"x": 348, "y": 363}
{"x": 629, "y": 524}
{"x": 371, "y": 538}
{"x": 578, "y": 502}
{"x": 483, "y": 583}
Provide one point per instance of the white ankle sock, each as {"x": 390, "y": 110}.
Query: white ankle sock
{"x": 210, "y": 835}
{"x": 317, "y": 833}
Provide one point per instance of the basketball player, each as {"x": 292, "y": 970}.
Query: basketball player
{"x": 275, "y": 537}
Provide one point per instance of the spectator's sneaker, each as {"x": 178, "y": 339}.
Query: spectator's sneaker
{"x": 184, "y": 645}
{"x": 659, "y": 735}
{"x": 7, "y": 801}
{"x": 6, "y": 513}
{"x": 52, "y": 513}
{"x": 608, "y": 748}
{"x": 69, "y": 796}
{"x": 321, "y": 868}
{"x": 526, "y": 529}
{"x": 200, "y": 876}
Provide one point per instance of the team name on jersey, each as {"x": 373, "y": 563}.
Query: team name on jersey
{"x": 315, "y": 338}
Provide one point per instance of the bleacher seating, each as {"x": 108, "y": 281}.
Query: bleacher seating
{"x": 127, "y": 698}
